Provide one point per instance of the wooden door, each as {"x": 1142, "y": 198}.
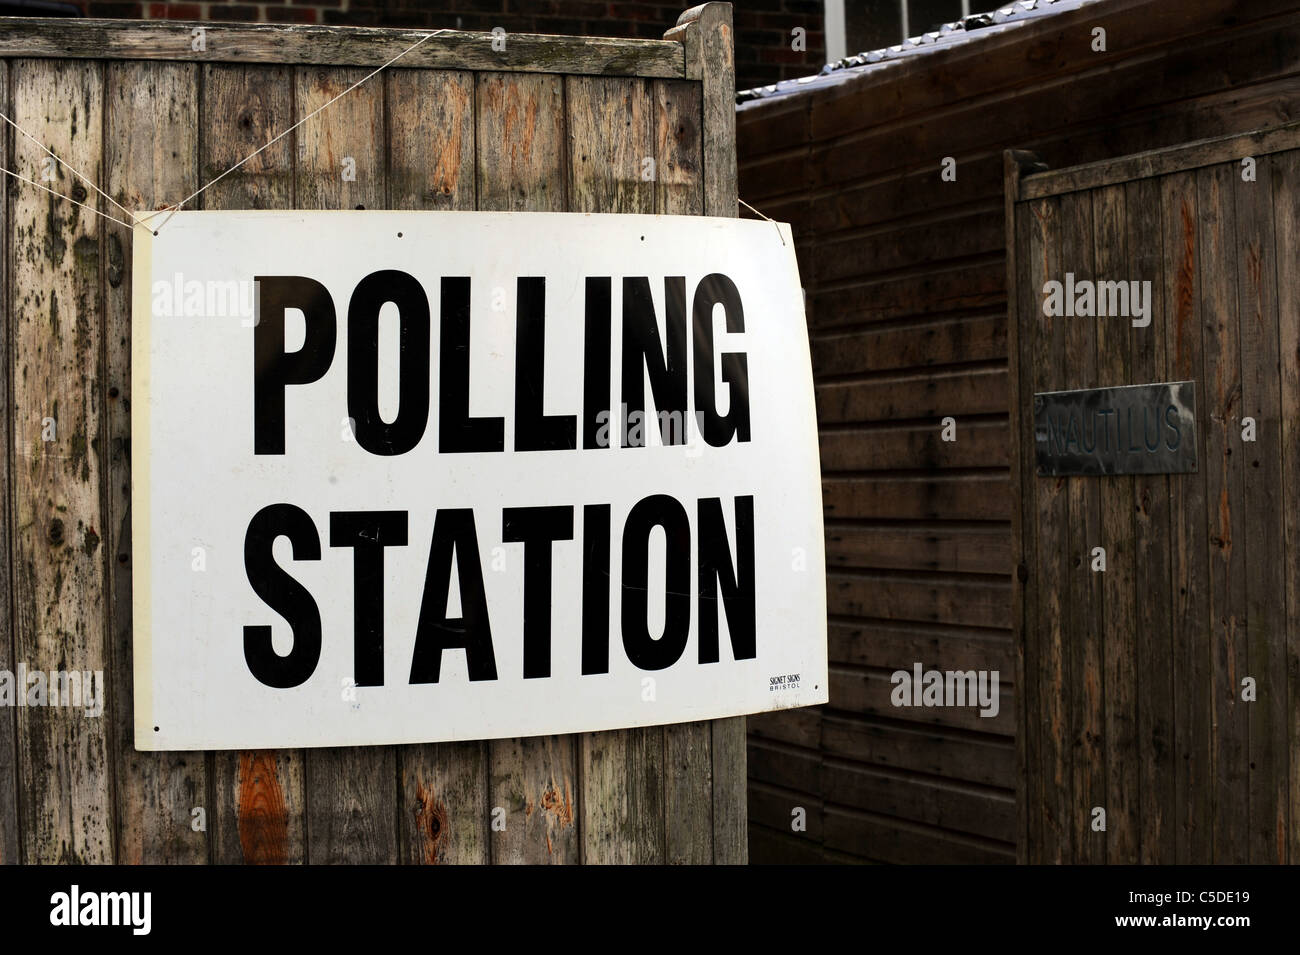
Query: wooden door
{"x": 1163, "y": 690}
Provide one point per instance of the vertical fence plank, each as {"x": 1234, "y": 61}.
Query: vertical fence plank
{"x": 1286, "y": 223}
{"x": 151, "y": 158}
{"x": 350, "y": 791}
{"x": 59, "y": 581}
{"x": 1083, "y": 627}
{"x": 1113, "y": 218}
{"x": 1022, "y": 314}
{"x": 259, "y": 794}
{"x": 1263, "y": 498}
{"x": 1151, "y": 553}
{"x": 717, "y": 72}
{"x": 1188, "y": 542}
{"x": 1222, "y": 378}
{"x": 688, "y": 752}
{"x": 443, "y": 814}
{"x": 622, "y": 803}
{"x": 1050, "y": 530}
{"x": 520, "y": 124}
{"x": 10, "y": 841}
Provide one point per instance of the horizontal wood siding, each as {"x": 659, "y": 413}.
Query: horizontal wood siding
{"x": 906, "y": 286}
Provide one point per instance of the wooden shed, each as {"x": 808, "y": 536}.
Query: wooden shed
{"x": 149, "y": 111}
{"x": 905, "y": 273}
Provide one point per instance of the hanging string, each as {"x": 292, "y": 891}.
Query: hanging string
{"x": 768, "y": 218}
{"x": 62, "y": 196}
{"x": 173, "y": 209}
{"x": 66, "y": 166}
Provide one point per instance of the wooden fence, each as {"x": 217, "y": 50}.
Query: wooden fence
{"x": 1163, "y": 690}
{"x": 150, "y": 111}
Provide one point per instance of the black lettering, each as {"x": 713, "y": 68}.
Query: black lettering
{"x": 368, "y": 533}
{"x": 457, "y": 431}
{"x": 645, "y": 651}
{"x": 283, "y": 594}
{"x": 736, "y": 580}
{"x": 537, "y": 528}
{"x": 665, "y": 365}
{"x": 535, "y": 431}
{"x": 273, "y": 368}
{"x": 595, "y": 589}
{"x": 407, "y": 428}
{"x": 453, "y": 536}
{"x": 595, "y": 368}
{"x": 719, "y": 429}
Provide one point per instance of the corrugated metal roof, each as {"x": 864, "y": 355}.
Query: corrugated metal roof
{"x": 968, "y": 29}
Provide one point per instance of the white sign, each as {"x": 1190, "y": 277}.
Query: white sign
{"x": 422, "y": 476}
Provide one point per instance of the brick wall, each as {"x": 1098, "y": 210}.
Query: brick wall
{"x": 764, "y": 41}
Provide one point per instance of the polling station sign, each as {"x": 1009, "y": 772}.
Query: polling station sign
{"x": 422, "y": 476}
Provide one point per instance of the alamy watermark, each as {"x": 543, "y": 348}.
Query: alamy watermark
{"x": 922, "y": 687}
{"x": 75, "y": 689}
{"x": 181, "y": 298}
{"x": 1088, "y": 299}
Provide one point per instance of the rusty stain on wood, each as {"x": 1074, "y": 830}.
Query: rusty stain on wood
{"x": 263, "y": 818}
{"x": 430, "y": 824}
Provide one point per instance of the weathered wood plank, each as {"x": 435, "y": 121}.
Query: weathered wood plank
{"x": 981, "y": 496}
{"x": 894, "y": 247}
{"x": 1113, "y": 219}
{"x": 893, "y": 644}
{"x": 611, "y": 133}
{"x": 940, "y": 289}
{"x": 959, "y": 599}
{"x": 1083, "y": 626}
{"x": 968, "y": 339}
{"x": 521, "y": 166}
{"x": 1047, "y": 359}
{"x": 1154, "y": 608}
{"x": 688, "y": 747}
{"x": 778, "y": 847}
{"x": 1159, "y": 162}
{"x": 869, "y": 691}
{"x": 710, "y": 55}
{"x": 933, "y": 394}
{"x": 957, "y": 806}
{"x": 151, "y": 158}
{"x": 444, "y": 812}
{"x": 779, "y": 808}
{"x": 1263, "y": 499}
{"x": 801, "y": 726}
{"x": 1188, "y": 542}
{"x": 10, "y": 837}
{"x": 974, "y": 444}
{"x": 351, "y": 792}
{"x": 1286, "y": 224}
{"x": 1021, "y": 309}
{"x": 1222, "y": 402}
{"x": 59, "y": 574}
{"x": 944, "y": 547}
{"x": 896, "y": 841}
{"x": 936, "y": 751}
{"x": 269, "y": 43}
{"x": 260, "y": 796}
{"x": 524, "y": 142}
